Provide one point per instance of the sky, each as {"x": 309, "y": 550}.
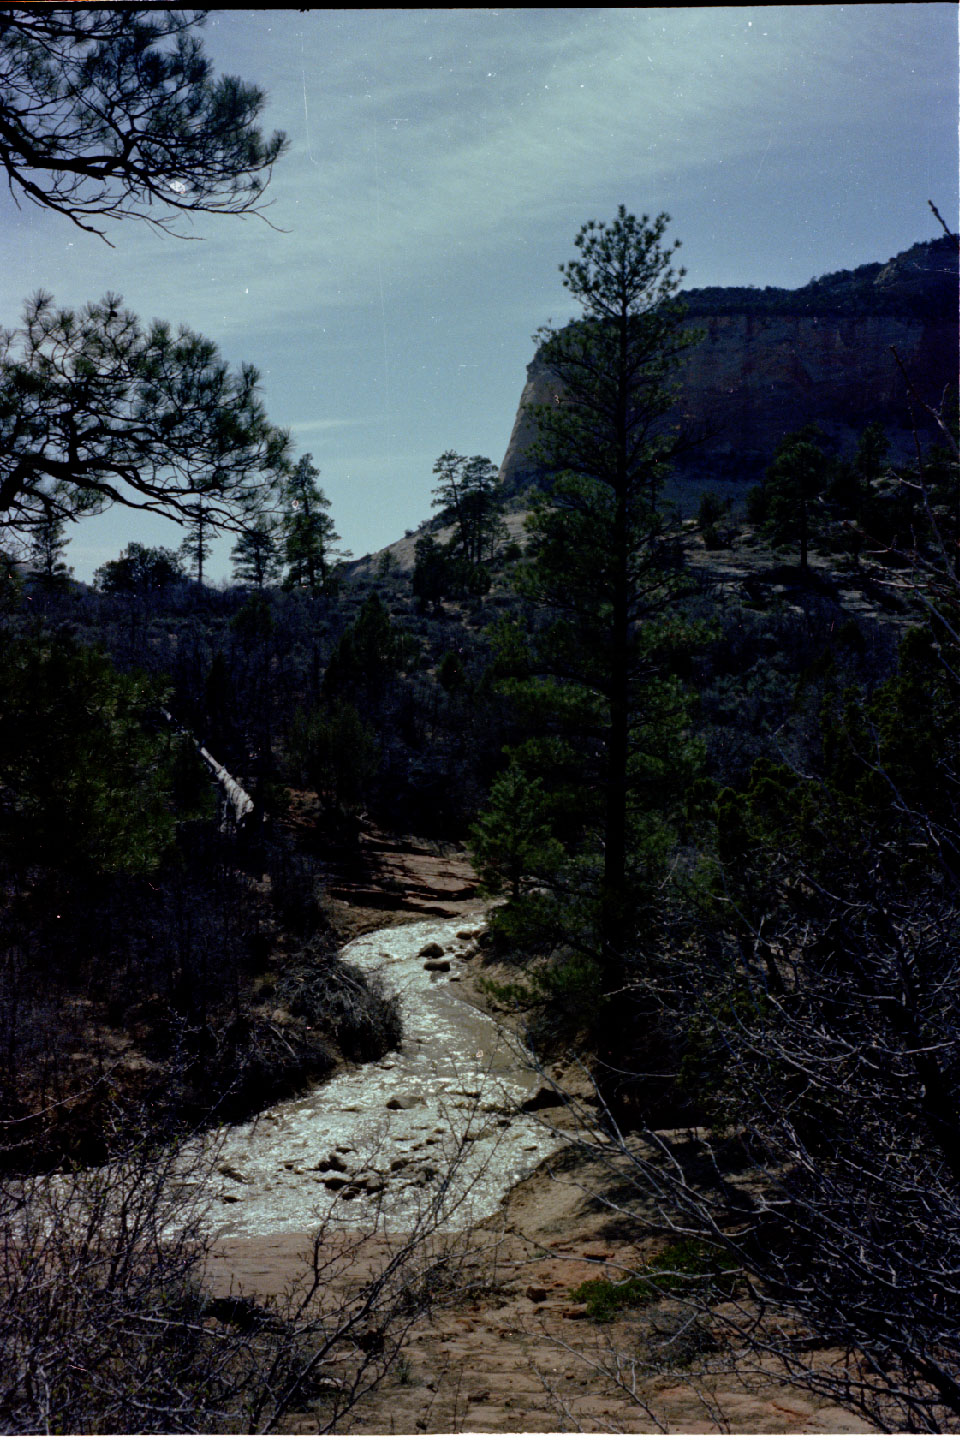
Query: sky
{"x": 440, "y": 164}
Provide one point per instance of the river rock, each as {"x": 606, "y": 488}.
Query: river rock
{"x": 335, "y": 1182}
{"x": 404, "y": 1102}
{"x": 433, "y": 951}
{"x": 543, "y": 1098}
{"x": 440, "y": 966}
{"x": 368, "y": 1184}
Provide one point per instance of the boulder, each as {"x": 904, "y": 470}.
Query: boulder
{"x": 433, "y": 951}
{"x": 439, "y": 967}
{"x": 543, "y": 1098}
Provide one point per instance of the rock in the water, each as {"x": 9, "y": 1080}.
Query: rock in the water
{"x": 404, "y": 1102}
{"x": 545, "y": 1098}
{"x": 439, "y": 967}
{"x": 433, "y": 951}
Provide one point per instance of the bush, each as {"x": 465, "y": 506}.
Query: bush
{"x": 680, "y": 1268}
{"x": 362, "y": 1019}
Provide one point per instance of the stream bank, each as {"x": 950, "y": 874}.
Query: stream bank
{"x": 440, "y": 1115}
{"x": 508, "y": 1349}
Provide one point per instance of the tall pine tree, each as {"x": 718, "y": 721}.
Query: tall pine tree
{"x": 309, "y": 532}
{"x": 607, "y": 719}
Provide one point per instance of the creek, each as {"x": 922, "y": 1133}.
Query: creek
{"x": 433, "y": 1124}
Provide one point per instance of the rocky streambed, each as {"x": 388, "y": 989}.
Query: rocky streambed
{"x": 437, "y": 1123}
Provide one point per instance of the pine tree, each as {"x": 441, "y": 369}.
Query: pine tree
{"x": 113, "y": 113}
{"x": 468, "y": 495}
{"x": 96, "y": 410}
{"x": 792, "y": 490}
{"x": 607, "y": 720}
{"x": 46, "y": 549}
{"x": 309, "y": 532}
{"x": 256, "y": 560}
{"x": 195, "y": 548}
{"x": 139, "y": 570}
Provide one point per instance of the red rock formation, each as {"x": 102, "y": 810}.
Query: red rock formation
{"x": 772, "y": 361}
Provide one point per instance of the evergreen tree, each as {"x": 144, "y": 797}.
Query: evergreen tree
{"x": 195, "y": 548}
{"x": 115, "y": 113}
{"x": 309, "y": 532}
{"x": 607, "y": 720}
{"x": 336, "y": 753}
{"x": 46, "y": 549}
{"x": 256, "y": 560}
{"x": 789, "y": 504}
{"x": 512, "y": 842}
{"x": 139, "y": 570}
{"x": 468, "y": 495}
{"x": 83, "y": 781}
{"x": 96, "y": 410}
{"x": 873, "y": 448}
{"x": 368, "y": 656}
{"x": 431, "y": 572}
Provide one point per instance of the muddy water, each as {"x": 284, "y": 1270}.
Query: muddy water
{"x": 434, "y": 1124}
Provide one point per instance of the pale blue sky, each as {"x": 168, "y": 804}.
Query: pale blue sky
{"x": 441, "y": 163}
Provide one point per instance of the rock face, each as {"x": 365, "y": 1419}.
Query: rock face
{"x": 774, "y": 360}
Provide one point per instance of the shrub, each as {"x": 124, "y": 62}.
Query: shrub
{"x": 681, "y": 1267}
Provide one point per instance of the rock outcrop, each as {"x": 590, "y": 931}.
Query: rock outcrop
{"x": 773, "y": 360}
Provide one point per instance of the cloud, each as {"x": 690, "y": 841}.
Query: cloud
{"x": 423, "y": 141}
{"x": 418, "y": 138}
{"x": 311, "y": 427}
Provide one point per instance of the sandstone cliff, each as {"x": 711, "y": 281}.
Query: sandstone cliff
{"x": 773, "y": 360}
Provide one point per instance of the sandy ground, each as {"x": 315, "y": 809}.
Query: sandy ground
{"x": 509, "y": 1351}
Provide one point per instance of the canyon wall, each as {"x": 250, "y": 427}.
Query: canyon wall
{"x": 772, "y": 361}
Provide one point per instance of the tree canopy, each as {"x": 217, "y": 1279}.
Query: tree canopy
{"x": 97, "y": 410}
{"x": 467, "y": 495}
{"x": 139, "y": 570}
{"x": 111, "y": 113}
